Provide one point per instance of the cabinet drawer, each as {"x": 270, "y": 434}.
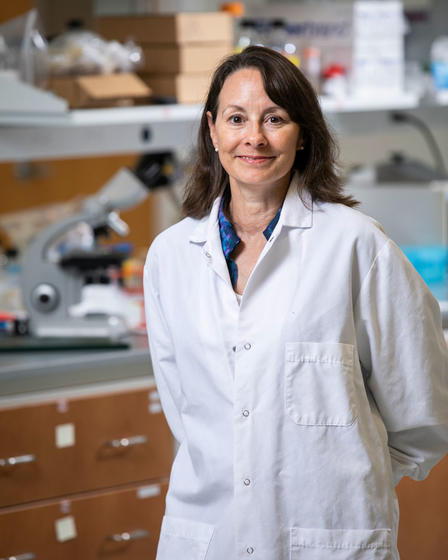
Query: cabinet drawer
{"x": 122, "y": 523}
{"x": 82, "y": 444}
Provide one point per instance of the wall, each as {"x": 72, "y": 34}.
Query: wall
{"x": 9, "y": 10}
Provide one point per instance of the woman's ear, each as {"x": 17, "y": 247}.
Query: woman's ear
{"x": 211, "y": 127}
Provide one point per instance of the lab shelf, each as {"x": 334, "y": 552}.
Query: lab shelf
{"x": 361, "y": 104}
{"x": 156, "y": 128}
{"x": 98, "y": 132}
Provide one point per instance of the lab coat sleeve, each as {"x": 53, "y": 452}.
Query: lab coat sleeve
{"x": 405, "y": 360}
{"x": 161, "y": 349}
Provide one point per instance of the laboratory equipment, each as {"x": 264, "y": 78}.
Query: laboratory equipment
{"x": 52, "y": 286}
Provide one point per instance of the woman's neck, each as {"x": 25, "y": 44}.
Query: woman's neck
{"x": 252, "y": 210}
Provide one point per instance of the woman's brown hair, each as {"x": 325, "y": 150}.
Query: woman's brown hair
{"x": 288, "y": 88}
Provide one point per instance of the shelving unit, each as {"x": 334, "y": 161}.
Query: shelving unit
{"x": 374, "y": 103}
{"x": 63, "y": 134}
{"x": 97, "y": 132}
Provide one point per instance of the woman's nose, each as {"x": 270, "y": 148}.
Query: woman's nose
{"x": 255, "y": 135}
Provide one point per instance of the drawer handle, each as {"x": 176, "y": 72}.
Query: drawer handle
{"x": 11, "y": 462}
{"x": 132, "y": 536}
{"x": 127, "y": 442}
{"x": 26, "y": 556}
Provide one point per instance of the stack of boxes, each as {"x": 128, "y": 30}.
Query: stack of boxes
{"x": 181, "y": 50}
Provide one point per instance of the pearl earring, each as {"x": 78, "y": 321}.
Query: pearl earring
{"x": 216, "y": 149}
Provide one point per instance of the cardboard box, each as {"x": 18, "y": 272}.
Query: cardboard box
{"x": 181, "y": 28}
{"x": 183, "y": 88}
{"x": 181, "y": 59}
{"x": 102, "y": 90}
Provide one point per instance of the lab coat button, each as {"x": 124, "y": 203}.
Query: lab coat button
{"x": 250, "y": 550}
{"x": 245, "y": 413}
{"x": 247, "y": 346}
{"x": 247, "y": 481}
{"x": 208, "y": 255}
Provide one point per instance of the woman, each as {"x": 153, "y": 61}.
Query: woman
{"x": 299, "y": 358}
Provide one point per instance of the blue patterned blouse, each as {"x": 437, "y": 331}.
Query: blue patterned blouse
{"x": 229, "y": 239}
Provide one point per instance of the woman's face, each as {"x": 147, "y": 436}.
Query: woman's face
{"x": 256, "y": 139}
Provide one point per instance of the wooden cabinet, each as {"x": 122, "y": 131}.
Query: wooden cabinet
{"x": 96, "y": 465}
{"x": 122, "y": 523}
{"x": 423, "y": 530}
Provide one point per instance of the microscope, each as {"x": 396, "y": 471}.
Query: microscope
{"x": 52, "y": 287}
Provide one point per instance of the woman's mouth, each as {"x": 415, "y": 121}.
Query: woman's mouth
{"x": 255, "y": 160}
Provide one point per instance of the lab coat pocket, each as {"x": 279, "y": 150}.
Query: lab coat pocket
{"x": 182, "y": 538}
{"x": 319, "y": 383}
{"x": 341, "y": 544}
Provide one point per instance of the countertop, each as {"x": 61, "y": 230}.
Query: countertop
{"x": 28, "y": 373}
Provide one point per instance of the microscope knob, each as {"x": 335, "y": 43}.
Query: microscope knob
{"x": 45, "y": 298}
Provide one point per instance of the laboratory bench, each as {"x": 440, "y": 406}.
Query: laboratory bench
{"x": 85, "y": 454}
{"x": 28, "y": 372}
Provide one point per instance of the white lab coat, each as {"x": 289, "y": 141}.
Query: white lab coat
{"x": 298, "y": 410}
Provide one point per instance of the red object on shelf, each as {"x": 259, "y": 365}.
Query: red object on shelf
{"x": 334, "y": 70}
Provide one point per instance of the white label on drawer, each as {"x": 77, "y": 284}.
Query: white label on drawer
{"x": 65, "y": 528}
{"x": 148, "y": 491}
{"x": 65, "y": 435}
{"x": 154, "y": 396}
{"x": 155, "y": 408}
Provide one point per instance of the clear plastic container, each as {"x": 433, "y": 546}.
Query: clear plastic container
{"x": 78, "y": 51}
{"x": 312, "y": 65}
{"x": 278, "y": 35}
{"x": 23, "y": 49}
{"x": 293, "y": 43}
{"x": 439, "y": 62}
{"x": 247, "y": 34}
{"x": 262, "y": 32}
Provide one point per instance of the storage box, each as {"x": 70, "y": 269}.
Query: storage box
{"x": 178, "y": 59}
{"x": 183, "y": 88}
{"x": 162, "y": 29}
{"x": 103, "y": 90}
{"x": 378, "y": 47}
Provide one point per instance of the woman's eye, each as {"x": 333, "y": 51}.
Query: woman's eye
{"x": 236, "y": 119}
{"x": 274, "y": 119}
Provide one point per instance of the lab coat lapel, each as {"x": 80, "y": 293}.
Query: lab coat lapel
{"x": 207, "y": 233}
{"x": 297, "y": 212}
{"x": 297, "y": 208}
